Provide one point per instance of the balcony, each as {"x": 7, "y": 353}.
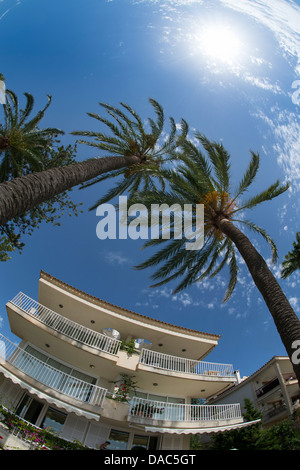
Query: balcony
{"x": 267, "y": 388}
{"x": 38, "y": 321}
{"x": 33, "y": 373}
{"x": 44, "y": 377}
{"x": 111, "y": 345}
{"x": 183, "y": 365}
{"x": 142, "y": 410}
{"x": 67, "y": 327}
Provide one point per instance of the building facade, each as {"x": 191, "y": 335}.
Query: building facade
{"x": 273, "y": 389}
{"x": 93, "y": 371}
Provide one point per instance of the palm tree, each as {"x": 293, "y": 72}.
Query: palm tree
{"x": 131, "y": 145}
{"x": 206, "y": 180}
{"x": 131, "y": 137}
{"x": 292, "y": 259}
{"x": 11, "y": 234}
{"x": 22, "y": 143}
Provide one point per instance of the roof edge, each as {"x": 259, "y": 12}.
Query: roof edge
{"x": 249, "y": 378}
{"x": 82, "y": 294}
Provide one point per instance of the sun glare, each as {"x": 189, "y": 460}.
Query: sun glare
{"x": 219, "y": 42}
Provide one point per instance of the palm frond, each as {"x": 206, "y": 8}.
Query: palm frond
{"x": 249, "y": 175}
{"x": 28, "y": 108}
{"x": 112, "y": 192}
{"x": 219, "y": 158}
{"x": 39, "y": 116}
{"x": 233, "y": 270}
{"x": 273, "y": 191}
{"x": 264, "y": 234}
{"x": 128, "y": 136}
{"x": 291, "y": 262}
{"x": 25, "y": 143}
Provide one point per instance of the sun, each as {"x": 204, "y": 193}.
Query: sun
{"x": 220, "y": 42}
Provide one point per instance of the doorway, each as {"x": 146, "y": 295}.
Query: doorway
{"x": 29, "y": 409}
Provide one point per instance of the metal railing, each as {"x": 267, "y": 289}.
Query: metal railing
{"x": 144, "y": 408}
{"x": 267, "y": 387}
{"x": 189, "y": 366}
{"x": 49, "y": 376}
{"x": 109, "y": 345}
{"x": 65, "y": 326}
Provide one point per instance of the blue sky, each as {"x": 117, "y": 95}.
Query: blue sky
{"x": 228, "y": 68}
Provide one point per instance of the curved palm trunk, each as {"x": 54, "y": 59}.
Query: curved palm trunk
{"x": 22, "y": 194}
{"x": 286, "y": 320}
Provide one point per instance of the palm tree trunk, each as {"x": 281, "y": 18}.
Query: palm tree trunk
{"x": 286, "y": 320}
{"x": 22, "y": 194}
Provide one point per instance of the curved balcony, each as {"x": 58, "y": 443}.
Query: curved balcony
{"x": 46, "y": 377}
{"x": 26, "y": 369}
{"x": 175, "y": 370}
{"x": 67, "y": 327}
{"x": 142, "y": 410}
{"x": 183, "y": 365}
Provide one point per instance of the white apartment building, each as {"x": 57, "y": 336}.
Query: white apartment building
{"x": 68, "y": 370}
{"x": 273, "y": 389}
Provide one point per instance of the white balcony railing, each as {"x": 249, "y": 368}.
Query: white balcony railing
{"x": 49, "y": 376}
{"x": 65, "y": 326}
{"x": 141, "y": 407}
{"x": 188, "y": 366}
{"x": 110, "y": 345}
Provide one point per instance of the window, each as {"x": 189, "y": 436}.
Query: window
{"x": 55, "y": 374}
{"x": 118, "y": 440}
{"x": 54, "y": 420}
{"x": 153, "y": 443}
{"x": 180, "y": 401}
{"x": 140, "y": 442}
{"x": 144, "y": 442}
{"x": 159, "y": 398}
{"x": 140, "y": 394}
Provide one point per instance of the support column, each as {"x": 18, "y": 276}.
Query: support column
{"x": 283, "y": 389}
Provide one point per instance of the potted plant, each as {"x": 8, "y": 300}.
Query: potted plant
{"x": 124, "y": 387}
{"x": 129, "y": 346}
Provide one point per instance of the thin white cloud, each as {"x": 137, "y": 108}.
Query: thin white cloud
{"x": 183, "y": 30}
{"x": 284, "y": 125}
{"x": 113, "y": 257}
{"x": 262, "y": 82}
{"x": 294, "y": 301}
{"x": 281, "y": 17}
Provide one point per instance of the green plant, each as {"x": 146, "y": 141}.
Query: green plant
{"x": 124, "y": 387}
{"x": 241, "y": 439}
{"x": 202, "y": 179}
{"x": 129, "y": 346}
{"x": 279, "y": 437}
{"x": 40, "y": 438}
{"x": 292, "y": 260}
{"x": 130, "y": 135}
